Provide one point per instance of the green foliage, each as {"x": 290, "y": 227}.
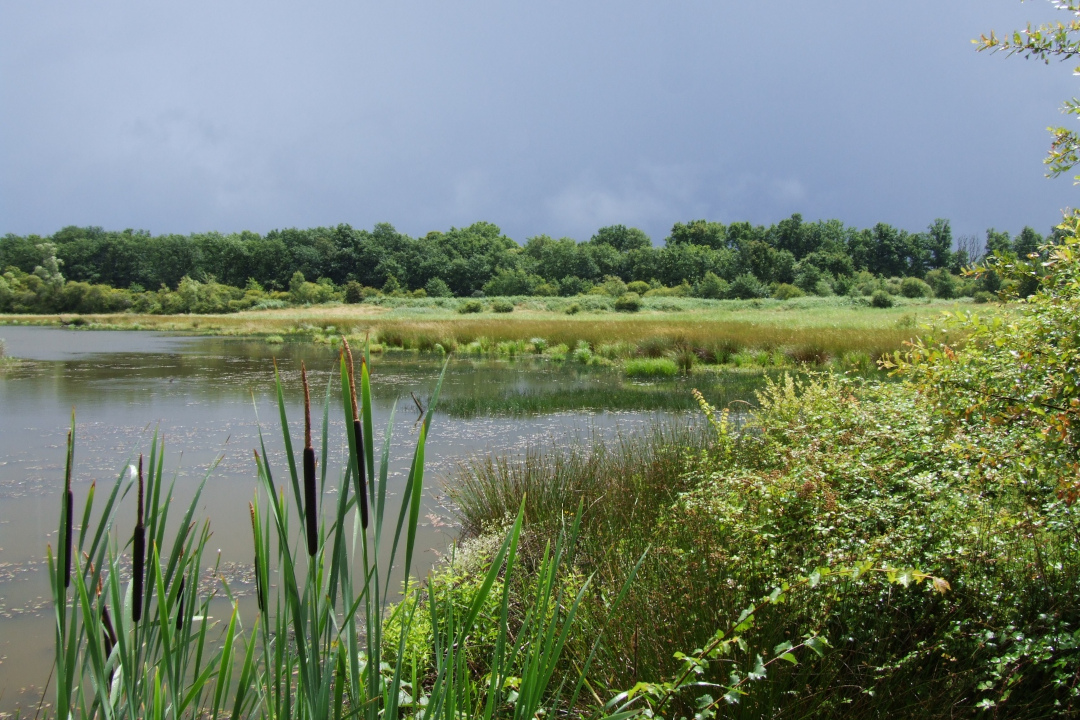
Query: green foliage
{"x": 912, "y": 287}
{"x": 470, "y": 306}
{"x": 354, "y": 292}
{"x": 650, "y": 368}
{"x": 437, "y": 288}
{"x": 699, "y": 258}
{"x": 784, "y": 291}
{"x": 746, "y": 286}
{"x": 628, "y": 302}
{"x": 881, "y": 299}
{"x": 502, "y": 306}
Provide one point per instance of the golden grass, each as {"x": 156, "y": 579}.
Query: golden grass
{"x": 826, "y": 323}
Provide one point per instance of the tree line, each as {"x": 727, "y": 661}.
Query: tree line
{"x": 705, "y": 258}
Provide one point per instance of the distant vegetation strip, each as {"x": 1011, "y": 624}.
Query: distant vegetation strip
{"x": 90, "y": 270}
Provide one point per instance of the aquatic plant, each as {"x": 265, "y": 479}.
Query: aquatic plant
{"x": 650, "y": 368}
{"x": 316, "y": 647}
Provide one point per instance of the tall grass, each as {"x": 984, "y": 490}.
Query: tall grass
{"x": 315, "y": 647}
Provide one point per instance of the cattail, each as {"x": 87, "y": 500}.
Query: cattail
{"x": 139, "y": 554}
{"x": 69, "y": 506}
{"x": 258, "y": 576}
{"x": 361, "y": 466}
{"x": 180, "y": 606}
{"x": 107, "y": 632}
{"x": 310, "y": 511}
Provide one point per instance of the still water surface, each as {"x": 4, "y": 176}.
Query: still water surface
{"x": 201, "y": 394}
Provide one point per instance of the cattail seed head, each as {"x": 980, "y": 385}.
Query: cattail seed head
{"x": 352, "y": 378}
{"x": 138, "y": 549}
{"x": 108, "y": 634}
{"x": 180, "y": 606}
{"x": 258, "y": 572}
{"x": 69, "y": 506}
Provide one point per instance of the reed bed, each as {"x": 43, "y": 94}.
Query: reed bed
{"x": 315, "y": 648}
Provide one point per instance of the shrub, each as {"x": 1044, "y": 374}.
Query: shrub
{"x": 502, "y": 306}
{"x": 612, "y": 286}
{"x": 638, "y": 286}
{"x": 881, "y": 299}
{"x": 712, "y": 286}
{"x": 436, "y": 287}
{"x": 943, "y": 283}
{"x": 982, "y": 296}
{"x": 747, "y": 287}
{"x": 786, "y": 291}
{"x": 354, "y": 292}
{"x": 628, "y": 302}
{"x": 912, "y": 287}
{"x": 651, "y": 368}
{"x": 573, "y": 309}
{"x": 470, "y": 306}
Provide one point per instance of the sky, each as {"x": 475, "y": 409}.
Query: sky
{"x": 553, "y": 117}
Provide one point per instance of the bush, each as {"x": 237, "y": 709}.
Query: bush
{"x": 354, "y": 292}
{"x": 747, "y": 287}
{"x": 881, "y": 299}
{"x": 712, "y": 287}
{"x": 651, "y": 368}
{"x": 911, "y": 287}
{"x": 943, "y": 283}
{"x": 628, "y": 302}
{"x": 983, "y": 297}
{"x": 612, "y": 286}
{"x": 786, "y": 291}
{"x": 573, "y": 309}
{"x": 436, "y": 287}
{"x": 638, "y": 286}
{"x": 470, "y": 306}
{"x": 502, "y": 306}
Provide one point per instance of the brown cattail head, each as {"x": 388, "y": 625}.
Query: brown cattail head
{"x": 180, "y": 606}
{"x": 138, "y": 542}
{"x": 107, "y": 632}
{"x": 311, "y": 515}
{"x": 258, "y": 573}
{"x": 69, "y": 507}
{"x": 352, "y": 378}
{"x": 307, "y": 406}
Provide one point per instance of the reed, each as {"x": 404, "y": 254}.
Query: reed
{"x": 138, "y": 553}
{"x": 315, "y": 648}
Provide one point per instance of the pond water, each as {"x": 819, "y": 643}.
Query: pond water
{"x": 201, "y": 394}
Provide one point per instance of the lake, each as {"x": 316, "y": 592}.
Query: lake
{"x": 201, "y": 394}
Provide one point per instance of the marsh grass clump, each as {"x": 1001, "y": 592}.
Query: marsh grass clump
{"x": 808, "y": 355}
{"x": 470, "y": 306}
{"x": 650, "y": 368}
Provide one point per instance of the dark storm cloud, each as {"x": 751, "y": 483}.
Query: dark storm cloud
{"x": 553, "y": 117}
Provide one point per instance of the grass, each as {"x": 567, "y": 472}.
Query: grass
{"x": 715, "y": 328}
{"x": 650, "y": 368}
{"x": 315, "y": 648}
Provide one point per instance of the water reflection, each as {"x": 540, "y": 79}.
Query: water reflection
{"x": 202, "y": 396}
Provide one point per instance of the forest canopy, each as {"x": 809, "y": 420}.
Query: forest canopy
{"x": 701, "y": 258}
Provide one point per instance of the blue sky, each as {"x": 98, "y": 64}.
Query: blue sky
{"x": 555, "y": 117}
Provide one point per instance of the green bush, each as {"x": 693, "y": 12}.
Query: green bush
{"x": 786, "y": 291}
{"x": 881, "y": 299}
{"x": 712, "y": 287}
{"x": 651, "y": 368}
{"x": 628, "y": 302}
{"x": 354, "y": 292}
{"x": 573, "y": 309}
{"x": 982, "y": 297}
{"x": 911, "y": 287}
{"x": 502, "y": 306}
{"x": 747, "y": 287}
{"x": 638, "y": 286}
{"x": 470, "y": 306}
{"x": 436, "y": 287}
